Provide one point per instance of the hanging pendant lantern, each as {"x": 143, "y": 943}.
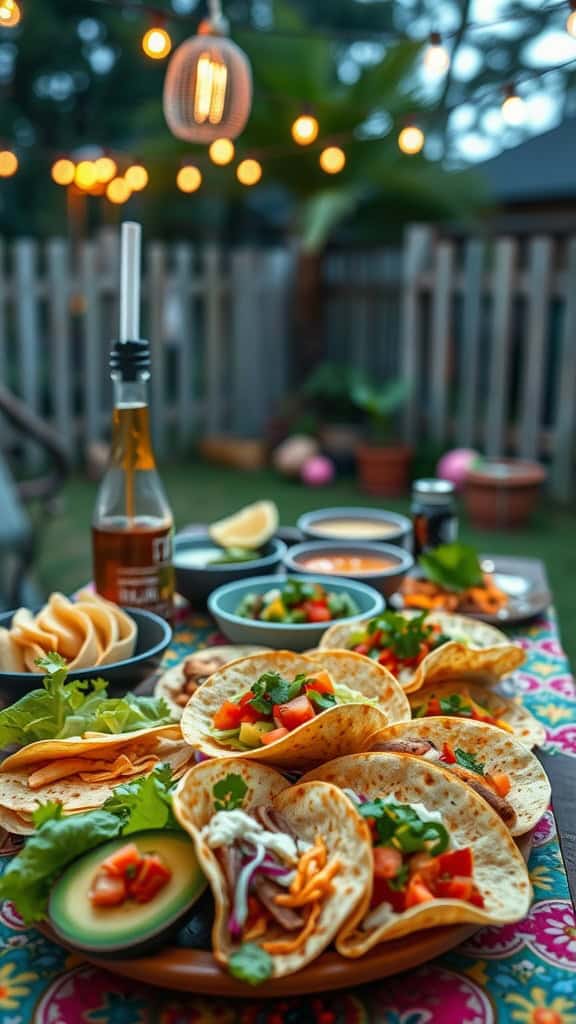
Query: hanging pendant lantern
{"x": 208, "y": 85}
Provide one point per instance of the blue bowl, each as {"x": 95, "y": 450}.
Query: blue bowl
{"x": 196, "y": 582}
{"x": 289, "y": 636}
{"x": 152, "y": 638}
{"x": 398, "y": 528}
{"x": 387, "y": 580}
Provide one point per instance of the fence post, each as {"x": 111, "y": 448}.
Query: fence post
{"x": 417, "y": 246}
{"x": 498, "y": 378}
{"x": 535, "y": 334}
{"x": 213, "y": 339}
{"x": 439, "y": 365}
{"x": 470, "y": 347}
{"x": 565, "y": 427}
{"x": 95, "y": 350}
{"x": 186, "y": 397}
{"x": 27, "y": 333}
{"x": 60, "y": 369}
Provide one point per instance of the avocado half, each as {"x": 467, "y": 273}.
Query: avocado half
{"x": 133, "y": 928}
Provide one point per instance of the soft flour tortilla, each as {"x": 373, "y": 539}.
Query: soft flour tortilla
{"x": 343, "y": 729}
{"x": 368, "y": 677}
{"x": 487, "y": 656}
{"x": 100, "y": 764}
{"x": 499, "y": 868}
{"x": 498, "y": 751}
{"x": 525, "y": 727}
{"x": 171, "y": 682}
{"x": 311, "y": 809}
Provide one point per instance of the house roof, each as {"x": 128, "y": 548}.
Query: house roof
{"x": 544, "y": 167}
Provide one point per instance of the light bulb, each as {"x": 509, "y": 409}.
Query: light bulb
{"x": 332, "y": 159}
{"x": 189, "y": 178}
{"x": 156, "y": 43}
{"x": 85, "y": 175}
{"x": 221, "y": 152}
{"x": 63, "y": 171}
{"x": 249, "y": 172}
{"x": 411, "y": 139}
{"x": 8, "y": 163}
{"x": 10, "y": 13}
{"x": 436, "y": 56}
{"x": 105, "y": 168}
{"x": 305, "y": 129}
{"x": 513, "y": 109}
{"x": 210, "y": 89}
{"x": 118, "y": 191}
{"x": 571, "y": 21}
{"x": 137, "y": 177}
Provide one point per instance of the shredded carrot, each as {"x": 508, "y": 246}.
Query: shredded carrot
{"x": 311, "y": 861}
{"x": 486, "y": 598}
{"x": 282, "y": 947}
{"x": 318, "y": 884}
{"x": 256, "y": 930}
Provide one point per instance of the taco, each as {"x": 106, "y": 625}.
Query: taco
{"x": 287, "y": 865}
{"x": 494, "y": 764}
{"x": 462, "y": 699}
{"x": 80, "y": 773}
{"x": 440, "y": 853}
{"x": 419, "y": 649}
{"x": 177, "y": 684}
{"x": 285, "y": 709}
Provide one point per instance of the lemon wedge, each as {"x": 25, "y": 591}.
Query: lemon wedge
{"x": 251, "y": 527}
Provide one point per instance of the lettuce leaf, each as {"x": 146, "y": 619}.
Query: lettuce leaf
{"x": 453, "y": 567}
{"x": 61, "y": 709}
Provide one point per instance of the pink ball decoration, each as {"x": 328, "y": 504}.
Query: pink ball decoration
{"x": 318, "y": 471}
{"x": 454, "y": 465}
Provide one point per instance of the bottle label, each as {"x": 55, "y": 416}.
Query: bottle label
{"x": 136, "y": 568}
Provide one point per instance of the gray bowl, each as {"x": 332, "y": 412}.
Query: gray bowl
{"x": 289, "y": 636}
{"x": 386, "y": 581}
{"x": 196, "y": 582}
{"x": 400, "y": 526}
{"x": 152, "y": 639}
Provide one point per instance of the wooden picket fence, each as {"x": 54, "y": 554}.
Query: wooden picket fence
{"x": 484, "y": 330}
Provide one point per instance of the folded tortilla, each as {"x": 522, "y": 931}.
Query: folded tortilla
{"x": 309, "y": 810}
{"x": 342, "y": 729}
{"x": 496, "y": 750}
{"x": 170, "y": 684}
{"x": 499, "y": 868}
{"x": 523, "y": 725}
{"x": 487, "y": 655}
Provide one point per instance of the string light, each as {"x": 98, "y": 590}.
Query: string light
{"x": 63, "y": 171}
{"x": 105, "y": 168}
{"x": 10, "y": 13}
{"x": 249, "y": 172}
{"x": 85, "y": 175}
{"x": 436, "y": 56}
{"x": 8, "y": 163}
{"x": 156, "y": 43}
{"x": 571, "y": 19}
{"x": 332, "y": 160}
{"x": 189, "y": 178}
{"x": 221, "y": 152}
{"x": 136, "y": 177}
{"x": 513, "y": 107}
{"x": 305, "y": 129}
{"x": 118, "y": 191}
{"x": 411, "y": 139}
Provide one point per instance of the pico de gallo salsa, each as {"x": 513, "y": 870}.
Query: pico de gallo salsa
{"x": 459, "y": 705}
{"x": 297, "y": 602}
{"x": 275, "y": 706}
{"x": 128, "y": 875}
{"x": 396, "y": 641}
{"x": 413, "y": 862}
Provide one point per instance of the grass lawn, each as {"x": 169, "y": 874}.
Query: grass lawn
{"x": 202, "y": 493}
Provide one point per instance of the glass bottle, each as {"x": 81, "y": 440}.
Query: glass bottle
{"x": 132, "y": 527}
{"x": 434, "y": 516}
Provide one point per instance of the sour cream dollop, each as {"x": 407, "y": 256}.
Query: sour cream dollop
{"x": 227, "y": 826}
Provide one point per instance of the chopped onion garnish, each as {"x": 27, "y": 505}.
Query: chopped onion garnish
{"x": 240, "y": 913}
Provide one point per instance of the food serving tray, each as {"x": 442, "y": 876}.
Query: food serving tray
{"x": 196, "y": 970}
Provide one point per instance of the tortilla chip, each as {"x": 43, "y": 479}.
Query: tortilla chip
{"x": 58, "y": 617}
{"x": 309, "y": 810}
{"x": 124, "y": 645}
{"x": 11, "y": 655}
{"x": 341, "y": 729}
{"x": 529, "y": 795}
{"x": 487, "y": 657}
{"x": 499, "y": 868}
{"x": 524, "y": 726}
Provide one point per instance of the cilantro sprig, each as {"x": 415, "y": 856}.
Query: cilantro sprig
{"x": 403, "y": 635}
{"x": 229, "y": 792}
{"x": 400, "y": 826}
{"x": 469, "y": 761}
{"x": 271, "y": 688}
{"x": 454, "y": 567}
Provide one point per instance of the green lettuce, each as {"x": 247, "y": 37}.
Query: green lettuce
{"x": 454, "y": 567}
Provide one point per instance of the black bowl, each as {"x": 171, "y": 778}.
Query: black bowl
{"x": 196, "y": 582}
{"x": 152, "y": 639}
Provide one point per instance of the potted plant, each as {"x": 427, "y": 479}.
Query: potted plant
{"x": 383, "y": 466}
{"x": 502, "y": 493}
{"x": 327, "y": 393}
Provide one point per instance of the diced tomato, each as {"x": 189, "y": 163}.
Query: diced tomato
{"x": 295, "y": 712}
{"x": 425, "y": 866}
{"x": 251, "y": 715}
{"x": 228, "y": 716}
{"x": 417, "y": 892}
{"x": 448, "y": 755}
{"x": 387, "y": 861}
{"x": 454, "y": 888}
{"x": 316, "y": 611}
{"x": 501, "y": 783}
{"x": 107, "y": 890}
{"x": 376, "y": 639}
{"x": 273, "y": 735}
{"x": 433, "y": 707}
{"x": 381, "y": 892}
{"x": 320, "y": 682}
{"x": 476, "y": 898}
{"x": 152, "y": 876}
{"x": 245, "y": 698}
{"x": 456, "y": 862}
{"x": 362, "y": 649}
{"x": 124, "y": 861}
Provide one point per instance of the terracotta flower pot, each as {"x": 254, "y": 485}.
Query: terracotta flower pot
{"x": 384, "y": 471}
{"x": 502, "y": 493}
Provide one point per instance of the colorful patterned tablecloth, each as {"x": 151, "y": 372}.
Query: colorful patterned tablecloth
{"x": 520, "y": 974}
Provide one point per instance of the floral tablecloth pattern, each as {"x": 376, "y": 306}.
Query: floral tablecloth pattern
{"x": 520, "y": 974}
